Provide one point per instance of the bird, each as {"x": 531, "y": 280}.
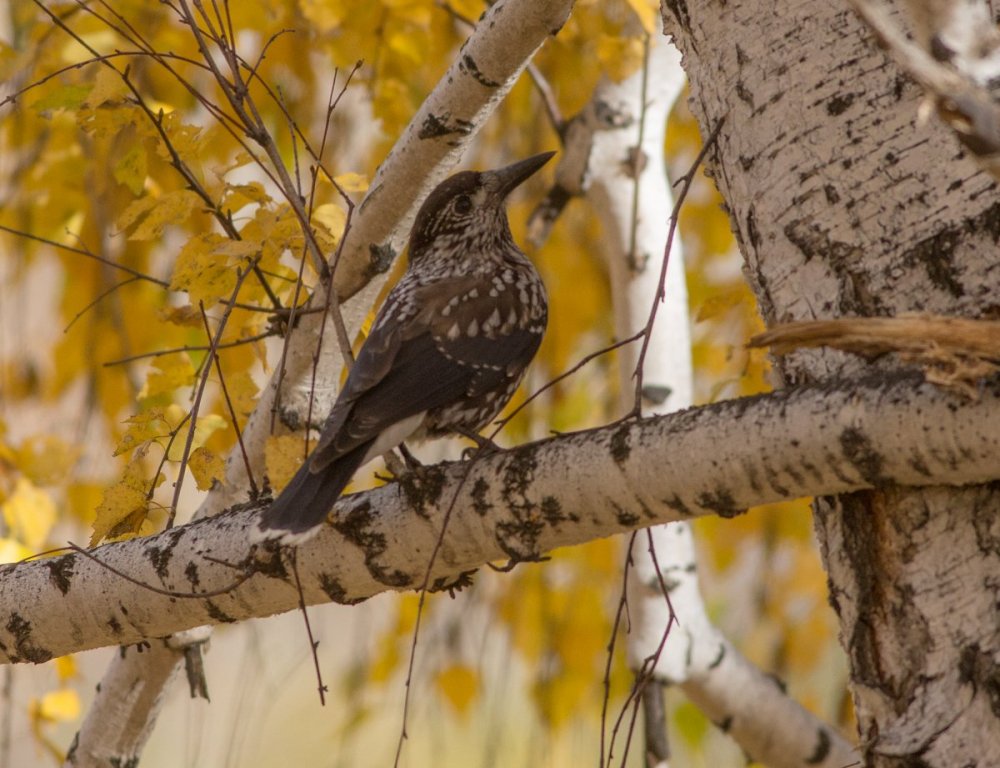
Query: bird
{"x": 446, "y": 351}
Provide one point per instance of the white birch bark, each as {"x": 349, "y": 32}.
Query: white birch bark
{"x": 956, "y": 58}
{"x": 843, "y": 203}
{"x": 487, "y": 67}
{"x": 768, "y": 725}
{"x": 718, "y": 459}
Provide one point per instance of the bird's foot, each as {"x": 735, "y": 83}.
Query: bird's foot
{"x": 484, "y": 446}
{"x": 399, "y": 467}
{"x": 411, "y": 461}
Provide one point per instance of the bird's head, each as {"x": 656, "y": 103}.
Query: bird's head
{"x": 470, "y": 205}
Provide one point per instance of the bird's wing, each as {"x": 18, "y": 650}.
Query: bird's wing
{"x": 412, "y": 365}
{"x": 399, "y": 372}
{"x": 497, "y": 336}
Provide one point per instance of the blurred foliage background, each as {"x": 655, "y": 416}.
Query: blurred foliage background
{"x": 112, "y": 268}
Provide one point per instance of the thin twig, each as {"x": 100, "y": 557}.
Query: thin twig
{"x": 85, "y": 252}
{"x": 200, "y": 391}
{"x": 254, "y": 491}
{"x": 621, "y": 612}
{"x": 191, "y": 348}
{"x": 313, "y": 643}
{"x": 157, "y": 590}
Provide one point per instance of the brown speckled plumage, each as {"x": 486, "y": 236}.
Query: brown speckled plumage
{"x": 446, "y": 351}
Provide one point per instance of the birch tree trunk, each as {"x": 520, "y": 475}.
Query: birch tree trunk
{"x": 844, "y": 203}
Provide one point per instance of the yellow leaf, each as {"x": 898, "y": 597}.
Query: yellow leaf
{"x": 206, "y": 467}
{"x": 243, "y": 392}
{"x": 58, "y": 706}
{"x": 330, "y": 217}
{"x": 108, "y": 87}
{"x": 168, "y": 374}
{"x": 29, "y": 513}
{"x": 283, "y": 455}
{"x": 172, "y": 208}
{"x": 124, "y": 507}
{"x": 201, "y": 272}
{"x": 352, "y": 182}
{"x": 64, "y": 97}
{"x": 13, "y": 551}
{"x": 185, "y": 316}
{"x": 648, "y": 12}
{"x": 131, "y": 168}
{"x": 144, "y": 426}
{"x": 460, "y": 686}
{"x": 239, "y": 195}
{"x": 206, "y": 425}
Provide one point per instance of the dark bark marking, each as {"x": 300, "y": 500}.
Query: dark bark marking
{"x": 333, "y": 589}
{"x": 719, "y": 657}
{"x": 721, "y": 502}
{"x": 436, "y": 126}
{"x": 61, "y": 572}
{"x": 986, "y": 524}
{"x": 621, "y": 444}
{"x": 625, "y": 517}
{"x": 936, "y": 253}
{"x": 160, "y": 557}
{"x": 469, "y": 65}
{"x": 218, "y": 614}
{"x": 381, "y": 258}
{"x": 192, "y": 575}
{"x": 858, "y": 450}
{"x": 679, "y": 10}
{"x": 24, "y": 649}
{"x": 423, "y": 487}
{"x": 480, "y": 490}
{"x": 677, "y": 505}
{"x": 839, "y": 104}
{"x": 979, "y": 669}
{"x": 552, "y": 510}
{"x": 822, "y": 749}
{"x": 357, "y": 526}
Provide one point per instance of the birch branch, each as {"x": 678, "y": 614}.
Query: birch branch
{"x": 517, "y": 504}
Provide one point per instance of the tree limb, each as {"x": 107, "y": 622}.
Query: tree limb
{"x": 517, "y": 504}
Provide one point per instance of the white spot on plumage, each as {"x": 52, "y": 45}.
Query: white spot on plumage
{"x": 493, "y": 321}
{"x": 453, "y": 332}
{"x": 473, "y": 329}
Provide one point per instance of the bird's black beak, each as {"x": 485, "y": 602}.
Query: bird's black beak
{"x": 508, "y": 178}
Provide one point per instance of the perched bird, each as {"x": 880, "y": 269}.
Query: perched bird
{"x": 446, "y": 351}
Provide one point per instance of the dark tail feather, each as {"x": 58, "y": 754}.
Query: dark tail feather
{"x": 304, "y": 503}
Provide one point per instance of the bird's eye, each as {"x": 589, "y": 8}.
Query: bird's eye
{"x": 463, "y": 204}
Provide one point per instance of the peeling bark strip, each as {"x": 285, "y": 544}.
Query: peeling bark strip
{"x": 518, "y": 503}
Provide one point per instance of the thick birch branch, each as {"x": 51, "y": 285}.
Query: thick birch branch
{"x": 718, "y": 459}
